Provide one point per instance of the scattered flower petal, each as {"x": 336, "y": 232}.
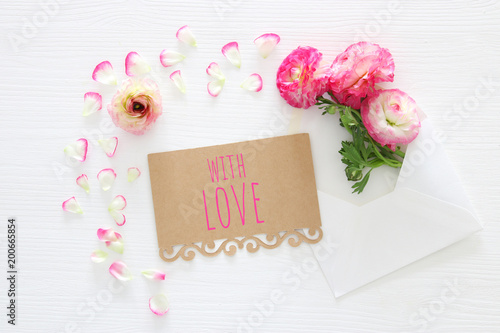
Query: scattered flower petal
{"x": 170, "y": 58}
{"x": 153, "y": 274}
{"x": 106, "y": 178}
{"x": 185, "y": 35}
{"x": 103, "y": 73}
{"x": 118, "y": 217}
{"x": 178, "y": 81}
{"x": 214, "y": 71}
{"x": 72, "y": 206}
{"x": 232, "y": 53}
{"x": 133, "y": 173}
{"x": 83, "y": 182}
{"x": 112, "y": 239}
{"x": 158, "y": 304}
{"x": 92, "y": 102}
{"x": 252, "y": 83}
{"x": 215, "y": 87}
{"x": 109, "y": 145}
{"x": 77, "y": 150}
{"x": 98, "y": 256}
{"x": 120, "y": 271}
{"x": 136, "y": 65}
{"x": 118, "y": 203}
{"x": 266, "y": 44}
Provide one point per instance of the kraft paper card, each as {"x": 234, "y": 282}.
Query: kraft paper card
{"x": 250, "y": 194}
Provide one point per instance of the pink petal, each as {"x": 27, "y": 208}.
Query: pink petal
{"x": 170, "y": 58}
{"x": 108, "y": 235}
{"x": 72, "y": 206}
{"x": 103, "y": 73}
{"x": 159, "y": 304}
{"x": 214, "y": 71}
{"x": 77, "y": 150}
{"x": 253, "y": 83}
{"x": 98, "y": 256}
{"x": 83, "y": 182}
{"x": 92, "y": 102}
{"x": 136, "y": 65}
{"x": 132, "y": 174}
{"x": 118, "y": 203}
{"x": 232, "y": 53}
{"x": 109, "y": 145}
{"x": 153, "y": 274}
{"x": 178, "y": 81}
{"x": 106, "y": 178}
{"x": 120, "y": 271}
{"x": 185, "y": 35}
{"x": 215, "y": 87}
{"x": 266, "y": 44}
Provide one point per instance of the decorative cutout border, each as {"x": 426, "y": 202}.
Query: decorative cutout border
{"x": 253, "y": 244}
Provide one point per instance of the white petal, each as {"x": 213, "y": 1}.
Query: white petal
{"x": 118, "y": 203}
{"x": 214, "y": 71}
{"x": 98, "y": 256}
{"x": 215, "y": 87}
{"x": 253, "y": 83}
{"x": 118, "y": 217}
{"x": 120, "y": 271}
{"x": 106, "y": 178}
{"x": 109, "y": 145}
{"x": 104, "y": 74}
{"x": 72, "y": 206}
{"x": 153, "y": 274}
{"x": 170, "y": 58}
{"x": 159, "y": 304}
{"x": 178, "y": 81}
{"x": 232, "y": 53}
{"x": 136, "y": 65}
{"x": 266, "y": 44}
{"x": 92, "y": 102}
{"x": 83, "y": 182}
{"x": 185, "y": 35}
{"x": 132, "y": 174}
{"x": 77, "y": 150}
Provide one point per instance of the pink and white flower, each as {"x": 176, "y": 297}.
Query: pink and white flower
{"x": 266, "y": 44}
{"x": 302, "y": 77}
{"x": 232, "y": 53}
{"x": 391, "y": 117}
{"x": 120, "y": 271}
{"x": 136, "y": 105}
{"x": 104, "y": 73}
{"x": 77, "y": 150}
{"x": 159, "y": 304}
{"x": 356, "y": 71}
{"x": 136, "y": 65}
{"x": 252, "y": 83}
{"x": 92, "y": 102}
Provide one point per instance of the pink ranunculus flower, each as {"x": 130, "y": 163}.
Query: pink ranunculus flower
{"x": 356, "y": 70}
{"x": 302, "y": 77}
{"x": 391, "y": 117}
{"x": 136, "y": 105}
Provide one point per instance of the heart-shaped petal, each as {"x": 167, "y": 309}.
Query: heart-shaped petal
{"x": 170, "y": 58}
{"x": 136, "y": 65}
{"x": 266, "y": 44}
{"x": 185, "y": 35}
{"x": 92, "y": 102}
{"x": 77, "y": 150}
{"x": 153, "y": 274}
{"x": 252, "y": 83}
{"x": 159, "y": 304}
{"x": 98, "y": 256}
{"x": 215, "y": 87}
{"x": 120, "y": 271}
{"x": 106, "y": 178}
{"x": 178, "y": 81}
{"x": 132, "y": 174}
{"x": 109, "y": 145}
{"x": 214, "y": 71}
{"x": 232, "y": 53}
{"x": 103, "y": 73}
{"x": 83, "y": 182}
{"x": 72, "y": 206}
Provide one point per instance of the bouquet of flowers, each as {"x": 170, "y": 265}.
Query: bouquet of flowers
{"x": 381, "y": 121}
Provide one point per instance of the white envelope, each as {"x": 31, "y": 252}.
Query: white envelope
{"x": 382, "y": 230}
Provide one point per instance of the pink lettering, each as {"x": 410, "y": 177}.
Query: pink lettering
{"x": 206, "y": 212}
{"x": 214, "y": 171}
{"x": 240, "y": 166}
{"x": 218, "y": 209}
{"x": 242, "y": 214}
{"x": 255, "y": 199}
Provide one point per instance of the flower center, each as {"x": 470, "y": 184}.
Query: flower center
{"x": 138, "y": 107}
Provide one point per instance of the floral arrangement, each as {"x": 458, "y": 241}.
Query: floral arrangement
{"x": 380, "y": 121}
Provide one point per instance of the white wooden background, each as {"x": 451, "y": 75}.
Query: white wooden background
{"x": 446, "y": 56}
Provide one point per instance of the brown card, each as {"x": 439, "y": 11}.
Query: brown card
{"x": 217, "y": 198}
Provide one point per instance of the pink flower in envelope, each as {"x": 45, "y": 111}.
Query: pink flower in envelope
{"x": 356, "y": 70}
{"x": 302, "y": 77}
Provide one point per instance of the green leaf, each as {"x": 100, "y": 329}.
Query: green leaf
{"x": 360, "y": 186}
